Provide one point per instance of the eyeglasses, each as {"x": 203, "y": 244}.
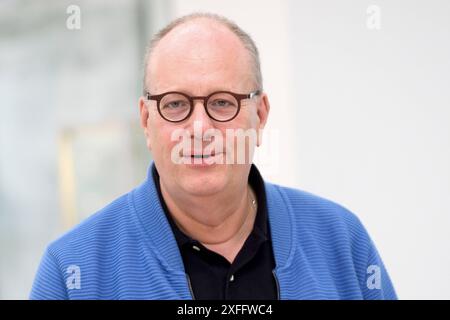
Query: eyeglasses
{"x": 220, "y": 106}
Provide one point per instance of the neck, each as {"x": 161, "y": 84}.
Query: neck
{"x": 220, "y": 222}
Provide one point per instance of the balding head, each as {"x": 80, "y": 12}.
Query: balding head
{"x": 203, "y": 43}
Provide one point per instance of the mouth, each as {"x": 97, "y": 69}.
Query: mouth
{"x": 202, "y": 156}
{"x": 200, "y": 159}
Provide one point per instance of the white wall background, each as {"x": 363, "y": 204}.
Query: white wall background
{"x": 363, "y": 118}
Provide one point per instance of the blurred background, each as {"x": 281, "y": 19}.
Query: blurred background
{"x": 360, "y": 114}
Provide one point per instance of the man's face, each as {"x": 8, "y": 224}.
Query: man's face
{"x": 200, "y": 58}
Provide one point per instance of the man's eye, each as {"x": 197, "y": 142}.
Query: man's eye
{"x": 175, "y": 105}
{"x": 221, "y": 103}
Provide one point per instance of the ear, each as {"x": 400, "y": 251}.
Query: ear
{"x": 144, "y": 115}
{"x": 263, "y": 109}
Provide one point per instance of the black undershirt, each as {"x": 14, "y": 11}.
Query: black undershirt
{"x": 212, "y": 276}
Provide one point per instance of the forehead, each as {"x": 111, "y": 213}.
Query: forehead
{"x": 198, "y": 57}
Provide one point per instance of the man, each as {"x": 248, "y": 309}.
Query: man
{"x": 205, "y": 225}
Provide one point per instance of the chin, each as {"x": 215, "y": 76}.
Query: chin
{"x": 203, "y": 182}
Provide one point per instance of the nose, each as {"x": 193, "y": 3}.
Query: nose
{"x": 200, "y": 117}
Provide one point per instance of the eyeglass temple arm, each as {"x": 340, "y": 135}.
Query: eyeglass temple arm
{"x": 254, "y": 93}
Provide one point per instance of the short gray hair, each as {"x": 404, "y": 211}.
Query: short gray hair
{"x": 247, "y": 41}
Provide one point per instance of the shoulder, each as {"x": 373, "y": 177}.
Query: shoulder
{"x": 321, "y": 221}
{"x": 328, "y": 234}
{"x": 96, "y": 231}
{"x": 81, "y": 249}
{"x": 312, "y": 208}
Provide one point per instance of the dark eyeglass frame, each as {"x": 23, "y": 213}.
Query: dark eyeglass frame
{"x": 238, "y": 96}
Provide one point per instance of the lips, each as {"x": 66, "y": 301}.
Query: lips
{"x": 198, "y": 155}
{"x": 198, "y": 159}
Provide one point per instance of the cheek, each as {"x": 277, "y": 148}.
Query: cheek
{"x": 248, "y": 122}
{"x": 247, "y": 118}
{"x": 151, "y": 134}
{"x": 162, "y": 140}
{"x": 253, "y": 118}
